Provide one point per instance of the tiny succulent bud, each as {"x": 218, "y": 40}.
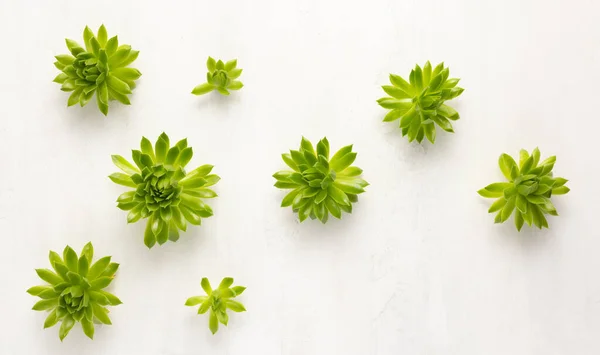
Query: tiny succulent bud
{"x": 100, "y": 67}
{"x": 163, "y": 192}
{"x": 221, "y": 77}
{"x": 419, "y": 103}
{"x": 74, "y": 292}
{"x": 218, "y": 302}
{"x": 320, "y": 185}
{"x": 528, "y": 192}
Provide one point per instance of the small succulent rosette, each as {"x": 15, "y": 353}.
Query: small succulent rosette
{"x": 75, "y": 290}
{"x": 218, "y": 301}
{"x": 100, "y": 67}
{"x": 220, "y": 77}
{"x": 528, "y": 191}
{"x": 420, "y": 102}
{"x": 163, "y": 192}
{"x": 320, "y": 185}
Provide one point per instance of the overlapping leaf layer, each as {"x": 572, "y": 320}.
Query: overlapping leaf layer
{"x": 100, "y": 67}
{"x": 218, "y": 302}
{"x": 221, "y": 77}
{"x": 163, "y": 192}
{"x": 74, "y": 292}
{"x": 528, "y": 192}
{"x": 320, "y": 185}
{"x": 419, "y": 102}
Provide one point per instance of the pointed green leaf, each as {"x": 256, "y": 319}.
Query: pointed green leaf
{"x": 205, "y": 306}
{"x": 497, "y": 205}
{"x": 333, "y": 207}
{"x": 508, "y": 208}
{"x": 101, "y": 314}
{"x": 67, "y": 324}
{"x": 235, "y": 306}
{"x": 172, "y": 155}
{"x": 126, "y": 74}
{"x": 160, "y": 148}
{"x": 206, "y": 286}
{"x": 338, "y": 195}
{"x": 235, "y": 85}
{"x": 51, "y": 320}
{"x": 521, "y": 203}
{"x": 98, "y": 267}
{"x": 49, "y": 276}
{"x": 213, "y": 322}
{"x": 225, "y": 283}
{"x": 70, "y": 257}
{"x": 102, "y": 36}
{"x": 117, "y": 84}
{"x": 519, "y": 220}
{"x": 185, "y": 156}
{"x": 112, "y": 299}
{"x": 122, "y": 179}
{"x": 83, "y": 265}
{"x": 36, "y": 290}
{"x": 402, "y": 84}
{"x": 88, "y": 251}
{"x": 238, "y": 290}
{"x": 88, "y": 328}
{"x": 44, "y": 305}
{"x": 341, "y": 163}
{"x": 203, "y": 89}
{"x": 196, "y": 300}
{"x": 211, "y": 64}
{"x": 507, "y": 164}
{"x": 124, "y": 165}
{"x": 111, "y": 45}
{"x": 560, "y": 190}
{"x": 430, "y": 132}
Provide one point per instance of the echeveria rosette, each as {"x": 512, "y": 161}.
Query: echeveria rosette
{"x": 218, "y": 302}
{"x": 528, "y": 192}
{"x": 163, "y": 192}
{"x": 75, "y": 290}
{"x": 320, "y": 185}
{"x": 419, "y": 103}
{"x": 100, "y": 67}
{"x": 221, "y": 77}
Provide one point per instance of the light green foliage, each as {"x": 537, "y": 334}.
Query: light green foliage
{"x": 528, "y": 192}
{"x": 101, "y": 67}
{"x": 163, "y": 192}
{"x": 320, "y": 185}
{"x": 221, "y": 77}
{"x": 419, "y": 103}
{"x": 218, "y": 302}
{"x": 74, "y": 290}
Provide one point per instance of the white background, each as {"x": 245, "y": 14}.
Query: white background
{"x": 418, "y": 268}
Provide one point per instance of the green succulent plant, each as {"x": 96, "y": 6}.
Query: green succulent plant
{"x": 320, "y": 185}
{"x": 528, "y": 191}
{"x": 218, "y": 302}
{"x": 100, "y": 67}
{"x": 221, "y": 77}
{"x": 75, "y": 290}
{"x": 419, "y": 103}
{"x": 163, "y": 192}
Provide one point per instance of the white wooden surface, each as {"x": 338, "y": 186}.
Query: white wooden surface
{"x": 418, "y": 268}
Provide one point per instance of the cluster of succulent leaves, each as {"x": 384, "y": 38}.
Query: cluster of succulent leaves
{"x": 100, "y": 67}
{"x": 320, "y": 185}
{"x": 218, "y": 302}
{"x": 74, "y": 292}
{"x": 419, "y": 103}
{"x": 163, "y": 192}
{"x": 221, "y": 77}
{"x": 528, "y": 192}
